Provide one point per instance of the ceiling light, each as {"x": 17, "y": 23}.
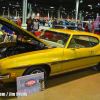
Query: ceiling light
{"x": 35, "y": 5}
{"x": 51, "y": 7}
{"x": 98, "y": 3}
{"x": 81, "y": 1}
{"x": 3, "y": 7}
{"x": 90, "y": 5}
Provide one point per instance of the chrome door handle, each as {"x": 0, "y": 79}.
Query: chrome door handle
{"x": 91, "y": 51}
{"x": 73, "y": 49}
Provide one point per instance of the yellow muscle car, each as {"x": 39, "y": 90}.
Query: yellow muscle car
{"x": 55, "y": 51}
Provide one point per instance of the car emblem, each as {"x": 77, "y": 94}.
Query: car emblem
{"x": 30, "y": 83}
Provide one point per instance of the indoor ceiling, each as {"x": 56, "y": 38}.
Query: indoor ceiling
{"x": 89, "y": 8}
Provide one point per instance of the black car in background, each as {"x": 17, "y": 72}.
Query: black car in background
{"x": 72, "y": 27}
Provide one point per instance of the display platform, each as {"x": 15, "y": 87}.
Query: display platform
{"x": 83, "y": 84}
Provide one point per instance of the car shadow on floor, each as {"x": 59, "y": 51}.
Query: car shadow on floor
{"x": 69, "y": 76}
{"x": 51, "y": 82}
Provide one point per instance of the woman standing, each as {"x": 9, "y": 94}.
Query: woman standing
{"x": 86, "y": 27}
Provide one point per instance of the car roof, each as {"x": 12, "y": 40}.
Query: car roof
{"x": 74, "y": 32}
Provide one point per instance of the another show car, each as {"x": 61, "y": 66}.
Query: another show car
{"x": 55, "y": 51}
{"x": 71, "y": 27}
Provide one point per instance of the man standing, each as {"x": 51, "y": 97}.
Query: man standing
{"x": 35, "y": 25}
{"x": 54, "y": 22}
{"x": 49, "y": 22}
{"x": 29, "y": 23}
{"x": 92, "y": 27}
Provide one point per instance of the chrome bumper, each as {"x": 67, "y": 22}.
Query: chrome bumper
{"x": 4, "y": 76}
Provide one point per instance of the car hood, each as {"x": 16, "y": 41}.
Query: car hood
{"x": 19, "y": 30}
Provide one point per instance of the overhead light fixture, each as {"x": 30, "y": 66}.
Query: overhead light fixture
{"x": 90, "y": 5}
{"x": 35, "y": 5}
{"x": 9, "y": 3}
{"x": 91, "y": 8}
{"x": 51, "y": 7}
{"x": 3, "y": 7}
{"x": 81, "y": 1}
{"x": 98, "y": 3}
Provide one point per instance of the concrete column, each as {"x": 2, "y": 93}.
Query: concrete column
{"x": 23, "y": 20}
{"x": 68, "y": 16}
{"x": 3, "y": 13}
{"x": 80, "y": 16}
{"x": 97, "y": 15}
{"x": 48, "y": 15}
{"x": 16, "y": 13}
{"x": 58, "y": 14}
{"x": 8, "y": 11}
{"x": 25, "y": 10}
{"x": 30, "y": 10}
{"x": 77, "y": 6}
{"x": 61, "y": 16}
{"x": 72, "y": 18}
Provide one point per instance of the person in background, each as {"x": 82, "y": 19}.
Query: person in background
{"x": 60, "y": 23}
{"x": 66, "y": 22}
{"x": 9, "y": 34}
{"x": 63, "y": 22}
{"x": 19, "y": 22}
{"x": 49, "y": 23}
{"x": 43, "y": 22}
{"x": 35, "y": 25}
{"x": 92, "y": 27}
{"x": 54, "y": 22}
{"x": 86, "y": 27}
{"x": 29, "y": 24}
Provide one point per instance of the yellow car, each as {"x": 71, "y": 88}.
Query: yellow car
{"x": 55, "y": 51}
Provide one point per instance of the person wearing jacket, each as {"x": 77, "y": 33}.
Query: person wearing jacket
{"x": 86, "y": 27}
{"x": 92, "y": 27}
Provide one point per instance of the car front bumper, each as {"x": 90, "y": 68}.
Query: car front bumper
{"x": 6, "y": 76}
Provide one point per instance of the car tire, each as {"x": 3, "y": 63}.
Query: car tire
{"x": 37, "y": 69}
{"x": 98, "y": 67}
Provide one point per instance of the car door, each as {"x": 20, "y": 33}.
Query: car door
{"x": 95, "y": 45}
{"x": 79, "y": 53}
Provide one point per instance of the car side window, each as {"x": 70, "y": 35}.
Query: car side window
{"x": 93, "y": 41}
{"x": 79, "y": 41}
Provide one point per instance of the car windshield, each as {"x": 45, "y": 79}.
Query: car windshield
{"x": 54, "y": 39}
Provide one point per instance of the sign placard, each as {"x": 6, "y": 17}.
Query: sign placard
{"x": 30, "y": 84}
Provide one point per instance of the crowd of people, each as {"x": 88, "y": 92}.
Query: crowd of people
{"x": 90, "y": 27}
{"x": 8, "y": 33}
{"x": 33, "y": 25}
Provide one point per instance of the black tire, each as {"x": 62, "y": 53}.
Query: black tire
{"x": 37, "y": 69}
{"x": 98, "y": 67}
